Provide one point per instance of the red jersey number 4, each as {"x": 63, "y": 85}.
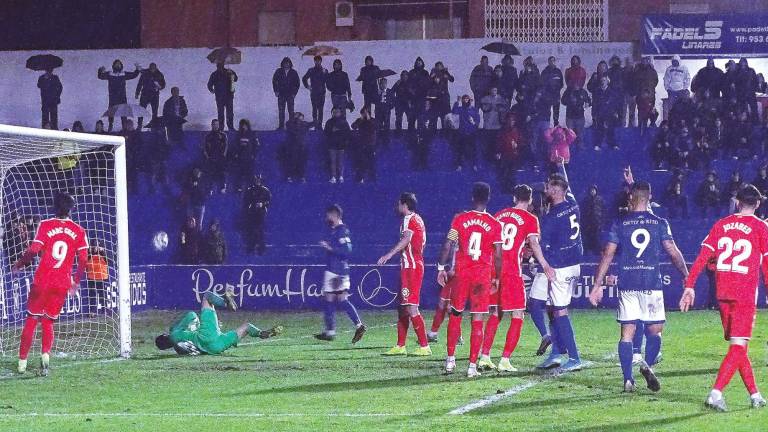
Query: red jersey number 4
{"x": 476, "y": 233}
{"x": 60, "y": 239}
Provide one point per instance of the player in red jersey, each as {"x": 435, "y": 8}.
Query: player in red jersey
{"x": 739, "y": 243}
{"x": 518, "y": 228}
{"x": 444, "y": 301}
{"x": 413, "y": 236}
{"x": 478, "y": 236}
{"x": 59, "y": 239}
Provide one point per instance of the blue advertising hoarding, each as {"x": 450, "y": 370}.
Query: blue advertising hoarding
{"x": 705, "y": 34}
{"x": 299, "y": 287}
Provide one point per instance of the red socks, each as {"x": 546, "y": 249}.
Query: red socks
{"x": 513, "y": 337}
{"x": 745, "y": 370}
{"x": 454, "y": 331}
{"x": 731, "y": 362}
{"x": 421, "y": 329}
{"x": 475, "y": 341}
{"x": 437, "y": 321}
{"x": 490, "y": 333}
{"x": 27, "y": 336}
{"x": 47, "y": 342}
{"x": 402, "y": 328}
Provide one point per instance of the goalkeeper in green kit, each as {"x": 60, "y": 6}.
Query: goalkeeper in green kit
{"x": 195, "y": 335}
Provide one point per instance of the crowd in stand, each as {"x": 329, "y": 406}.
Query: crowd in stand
{"x": 510, "y": 120}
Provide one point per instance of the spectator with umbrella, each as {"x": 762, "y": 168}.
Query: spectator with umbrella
{"x": 369, "y": 75}
{"x": 222, "y": 84}
{"x": 285, "y": 84}
{"x": 314, "y": 80}
{"x": 481, "y": 79}
{"x": 49, "y": 85}
{"x": 337, "y": 83}
{"x": 151, "y": 82}
{"x": 116, "y": 79}
{"x": 509, "y": 78}
{"x": 174, "y": 113}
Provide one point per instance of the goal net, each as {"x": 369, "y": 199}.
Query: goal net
{"x": 35, "y": 164}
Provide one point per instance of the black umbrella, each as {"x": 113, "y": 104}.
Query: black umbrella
{"x": 226, "y": 55}
{"x": 386, "y": 72}
{"x": 44, "y": 62}
{"x": 502, "y": 48}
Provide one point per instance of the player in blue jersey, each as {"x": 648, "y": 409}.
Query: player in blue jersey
{"x": 563, "y": 250}
{"x": 639, "y": 237}
{"x": 338, "y": 248}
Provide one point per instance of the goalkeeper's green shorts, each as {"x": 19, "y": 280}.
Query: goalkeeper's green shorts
{"x": 210, "y": 337}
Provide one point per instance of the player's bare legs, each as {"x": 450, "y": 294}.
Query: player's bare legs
{"x": 494, "y": 318}
{"x": 409, "y": 314}
{"x": 736, "y": 359}
{"x": 513, "y": 338}
{"x": 454, "y": 331}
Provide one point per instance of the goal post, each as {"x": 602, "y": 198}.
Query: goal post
{"x": 35, "y": 164}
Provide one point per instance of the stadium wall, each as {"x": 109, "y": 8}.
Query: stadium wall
{"x": 85, "y": 97}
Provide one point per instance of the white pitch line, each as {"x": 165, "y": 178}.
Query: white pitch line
{"x": 493, "y": 398}
{"x": 9, "y": 374}
{"x": 488, "y": 400}
{"x": 252, "y": 415}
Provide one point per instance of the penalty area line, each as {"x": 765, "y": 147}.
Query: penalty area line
{"x": 252, "y": 415}
{"x": 491, "y": 399}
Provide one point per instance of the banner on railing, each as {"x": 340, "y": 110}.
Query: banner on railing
{"x": 705, "y": 34}
{"x": 297, "y": 287}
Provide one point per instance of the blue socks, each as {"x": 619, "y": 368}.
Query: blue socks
{"x": 557, "y": 347}
{"x": 351, "y": 311}
{"x": 536, "y": 310}
{"x": 625, "y": 357}
{"x": 566, "y": 336}
{"x": 329, "y": 314}
{"x": 652, "y": 348}
{"x": 637, "y": 341}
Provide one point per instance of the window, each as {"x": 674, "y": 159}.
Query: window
{"x": 547, "y": 20}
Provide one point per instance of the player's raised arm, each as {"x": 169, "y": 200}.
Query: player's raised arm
{"x": 405, "y": 239}
{"x": 596, "y": 295}
{"x": 689, "y": 295}
{"x": 561, "y": 170}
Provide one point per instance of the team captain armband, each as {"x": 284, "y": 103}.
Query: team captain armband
{"x": 453, "y": 235}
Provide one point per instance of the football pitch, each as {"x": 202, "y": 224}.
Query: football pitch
{"x": 294, "y": 382}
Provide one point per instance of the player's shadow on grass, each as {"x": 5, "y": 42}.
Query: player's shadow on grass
{"x": 652, "y": 424}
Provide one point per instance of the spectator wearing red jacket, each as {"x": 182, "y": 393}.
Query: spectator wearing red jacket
{"x": 559, "y": 139}
{"x": 576, "y": 75}
{"x": 509, "y": 145}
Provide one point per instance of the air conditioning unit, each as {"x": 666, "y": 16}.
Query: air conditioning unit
{"x": 345, "y": 14}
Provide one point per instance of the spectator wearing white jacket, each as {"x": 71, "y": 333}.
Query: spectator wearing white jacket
{"x": 677, "y": 80}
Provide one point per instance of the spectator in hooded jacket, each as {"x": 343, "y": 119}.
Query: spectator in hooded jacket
{"x": 552, "y": 85}
{"x": 600, "y": 73}
{"x": 646, "y": 110}
{"x": 174, "y": 112}
{"x": 746, "y": 86}
{"x": 469, "y": 121}
{"x": 509, "y": 146}
{"x": 592, "y": 218}
{"x": 337, "y": 83}
{"x": 215, "y": 150}
{"x": 50, "y": 97}
{"x": 494, "y": 108}
{"x": 576, "y": 74}
{"x": 365, "y": 146}
{"x": 294, "y": 152}
{"x": 439, "y": 104}
{"x": 645, "y": 76}
{"x": 677, "y": 80}
{"x": 189, "y": 242}
{"x": 443, "y": 105}
{"x": 151, "y": 82}
{"x": 244, "y": 154}
{"x": 419, "y": 81}
{"x": 630, "y": 93}
{"x": 314, "y": 80}
{"x": 576, "y": 99}
{"x": 403, "y": 96}
{"x": 369, "y": 76}
{"x": 616, "y": 77}
{"x": 606, "y": 102}
{"x": 508, "y": 78}
{"x": 481, "y": 79}
{"x": 222, "y": 84}
{"x": 285, "y": 84}
{"x": 709, "y": 78}
{"x": 708, "y": 195}
{"x": 559, "y": 140}
{"x": 337, "y": 136}
{"x": 215, "y": 244}
{"x": 528, "y": 84}
{"x": 116, "y": 86}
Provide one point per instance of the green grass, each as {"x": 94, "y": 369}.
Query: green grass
{"x": 295, "y": 383}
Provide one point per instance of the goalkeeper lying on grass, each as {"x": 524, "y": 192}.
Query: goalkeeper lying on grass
{"x": 193, "y": 335}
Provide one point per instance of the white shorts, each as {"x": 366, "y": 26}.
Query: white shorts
{"x": 646, "y": 306}
{"x": 557, "y": 293}
{"x": 333, "y": 283}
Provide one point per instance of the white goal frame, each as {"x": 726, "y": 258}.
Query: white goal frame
{"x": 121, "y": 207}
